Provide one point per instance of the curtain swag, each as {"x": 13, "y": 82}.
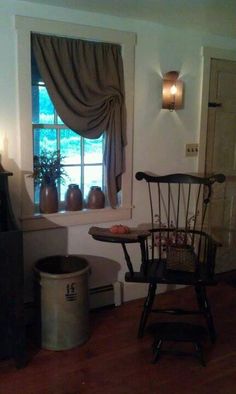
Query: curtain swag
{"x": 85, "y": 81}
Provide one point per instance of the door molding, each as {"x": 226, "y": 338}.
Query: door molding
{"x": 208, "y": 53}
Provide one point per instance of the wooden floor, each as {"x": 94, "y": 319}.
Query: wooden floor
{"x": 114, "y": 361}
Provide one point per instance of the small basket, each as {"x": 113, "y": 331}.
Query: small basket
{"x": 181, "y": 258}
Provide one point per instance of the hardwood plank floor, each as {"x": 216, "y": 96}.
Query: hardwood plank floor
{"x": 114, "y": 361}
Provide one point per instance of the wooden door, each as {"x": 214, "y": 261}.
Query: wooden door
{"x": 221, "y": 157}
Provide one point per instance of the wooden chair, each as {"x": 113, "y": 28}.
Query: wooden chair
{"x": 175, "y": 245}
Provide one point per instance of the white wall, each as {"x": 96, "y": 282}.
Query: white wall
{"x": 159, "y": 135}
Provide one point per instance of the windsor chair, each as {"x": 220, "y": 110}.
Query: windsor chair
{"x": 175, "y": 246}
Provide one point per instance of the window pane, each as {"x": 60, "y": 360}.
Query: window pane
{"x": 70, "y": 146}
{"x": 35, "y": 104}
{"x": 92, "y": 177}
{"x": 73, "y": 176}
{"x": 45, "y": 139}
{"x": 58, "y": 119}
{"x": 36, "y": 194}
{"x": 43, "y": 109}
{"x": 93, "y": 150}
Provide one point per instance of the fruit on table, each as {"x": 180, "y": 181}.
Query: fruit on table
{"x": 119, "y": 229}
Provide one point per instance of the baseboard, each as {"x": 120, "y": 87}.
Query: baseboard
{"x": 108, "y": 295}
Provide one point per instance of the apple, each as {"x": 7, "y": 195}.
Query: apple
{"x": 119, "y": 229}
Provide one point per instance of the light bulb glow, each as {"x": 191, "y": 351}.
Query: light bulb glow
{"x": 173, "y": 90}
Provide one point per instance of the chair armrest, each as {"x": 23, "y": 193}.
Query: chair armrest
{"x": 211, "y": 238}
{"x": 105, "y": 235}
{"x": 212, "y": 246}
{"x": 134, "y": 236}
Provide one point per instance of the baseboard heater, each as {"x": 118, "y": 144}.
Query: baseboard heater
{"x": 104, "y": 296}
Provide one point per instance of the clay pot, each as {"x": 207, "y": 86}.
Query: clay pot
{"x": 74, "y": 198}
{"x": 96, "y": 198}
{"x": 48, "y": 202}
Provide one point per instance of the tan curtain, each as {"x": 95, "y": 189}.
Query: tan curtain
{"x": 85, "y": 81}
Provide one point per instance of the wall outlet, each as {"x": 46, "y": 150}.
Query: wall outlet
{"x": 191, "y": 150}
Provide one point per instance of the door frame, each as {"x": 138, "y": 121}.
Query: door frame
{"x": 208, "y": 53}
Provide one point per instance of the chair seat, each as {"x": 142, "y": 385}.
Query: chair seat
{"x": 157, "y": 273}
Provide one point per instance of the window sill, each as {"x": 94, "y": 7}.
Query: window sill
{"x": 66, "y": 219}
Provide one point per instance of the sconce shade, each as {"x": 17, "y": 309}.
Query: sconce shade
{"x": 172, "y": 91}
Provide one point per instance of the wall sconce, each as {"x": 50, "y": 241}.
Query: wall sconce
{"x": 172, "y": 91}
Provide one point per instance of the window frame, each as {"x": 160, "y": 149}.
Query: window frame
{"x": 25, "y": 26}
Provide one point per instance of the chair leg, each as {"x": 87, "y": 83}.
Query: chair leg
{"x": 157, "y": 350}
{"x": 199, "y": 352}
{"x": 204, "y": 307}
{"x": 147, "y": 308}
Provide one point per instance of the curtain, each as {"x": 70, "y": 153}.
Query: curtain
{"x": 85, "y": 81}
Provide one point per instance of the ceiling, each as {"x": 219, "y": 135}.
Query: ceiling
{"x": 211, "y": 16}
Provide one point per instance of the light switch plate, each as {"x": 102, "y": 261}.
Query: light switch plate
{"x": 191, "y": 150}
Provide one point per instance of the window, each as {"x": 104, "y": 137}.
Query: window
{"x": 25, "y": 26}
{"x": 83, "y": 158}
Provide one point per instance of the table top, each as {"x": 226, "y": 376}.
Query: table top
{"x": 105, "y": 234}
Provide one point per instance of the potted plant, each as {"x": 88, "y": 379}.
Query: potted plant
{"x": 47, "y": 172}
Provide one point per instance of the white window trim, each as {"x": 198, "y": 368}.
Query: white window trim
{"x": 24, "y": 26}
